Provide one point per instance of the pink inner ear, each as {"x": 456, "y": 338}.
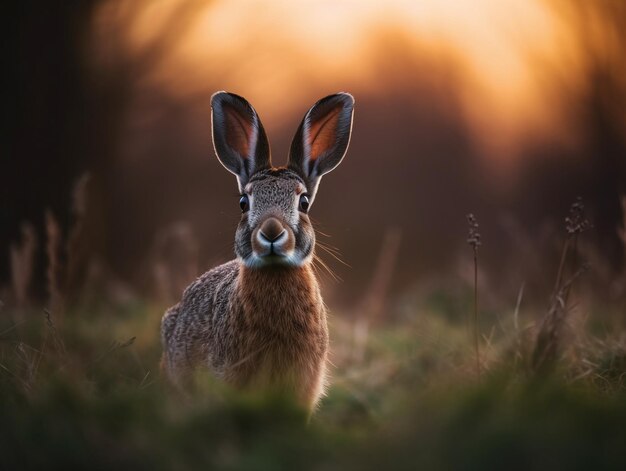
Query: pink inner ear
{"x": 238, "y": 131}
{"x": 323, "y": 133}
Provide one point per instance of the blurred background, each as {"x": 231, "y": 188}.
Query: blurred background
{"x": 505, "y": 109}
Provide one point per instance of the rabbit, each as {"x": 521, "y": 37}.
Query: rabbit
{"x": 259, "y": 322}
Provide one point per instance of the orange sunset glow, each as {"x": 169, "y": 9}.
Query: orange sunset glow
{"x": 505, "y": 58}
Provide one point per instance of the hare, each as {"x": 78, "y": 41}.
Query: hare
{"x": 259, "y": 321}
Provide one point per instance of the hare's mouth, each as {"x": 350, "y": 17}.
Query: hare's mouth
{"x": 276, "y": 259}
{"x": 271, "y": 260}
{"x": 274, "y": 253}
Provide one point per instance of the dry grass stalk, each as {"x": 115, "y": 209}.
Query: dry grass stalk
{"x": 518, "y": 337}
{"x": 28, "y": 360}
{"x": 621, "y": 281}
{"x": 175, "y": 254}
{"x": 77, "y": 256}
{"x": 57, "y": 341}
{"x": 377, "y": 293}
{"x": 550, "y": 331}
{"x": 548, "y": 338}
{"x": 113, "y": 347}
{"x": 473, "y": 240}
{"x": 373, "y": 305}
{"x": 67, "y": 280}
{"x": 54, "y": 269}
{"x": 622, "y": 231}
{"x": 22, "y": 259}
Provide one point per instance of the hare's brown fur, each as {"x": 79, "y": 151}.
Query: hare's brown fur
{"x": 273, "y": 334}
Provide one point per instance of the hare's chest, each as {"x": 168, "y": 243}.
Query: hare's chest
{"x": 280, "y": 354}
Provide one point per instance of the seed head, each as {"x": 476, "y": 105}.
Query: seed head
{"x": 473, "y": 237}
{"x": 575, "y": 222}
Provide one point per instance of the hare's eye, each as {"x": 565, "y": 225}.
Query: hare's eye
{"x": 244, "y": 204}
{"x": 304, "y": 203}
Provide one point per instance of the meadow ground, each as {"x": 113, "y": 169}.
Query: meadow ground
{"x": 85, "y": 391}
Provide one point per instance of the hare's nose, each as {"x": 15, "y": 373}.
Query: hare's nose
{"x": 271, "y": 230}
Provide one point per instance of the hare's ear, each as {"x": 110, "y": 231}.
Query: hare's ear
{"x": 322, "y": 138}
{"x": 238, "y": 136}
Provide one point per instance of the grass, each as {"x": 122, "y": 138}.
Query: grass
{"x": 474, "y": 241}
{"x": 89, "y": 394}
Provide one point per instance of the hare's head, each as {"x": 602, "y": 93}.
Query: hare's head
{"x": 275, "y": 228}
